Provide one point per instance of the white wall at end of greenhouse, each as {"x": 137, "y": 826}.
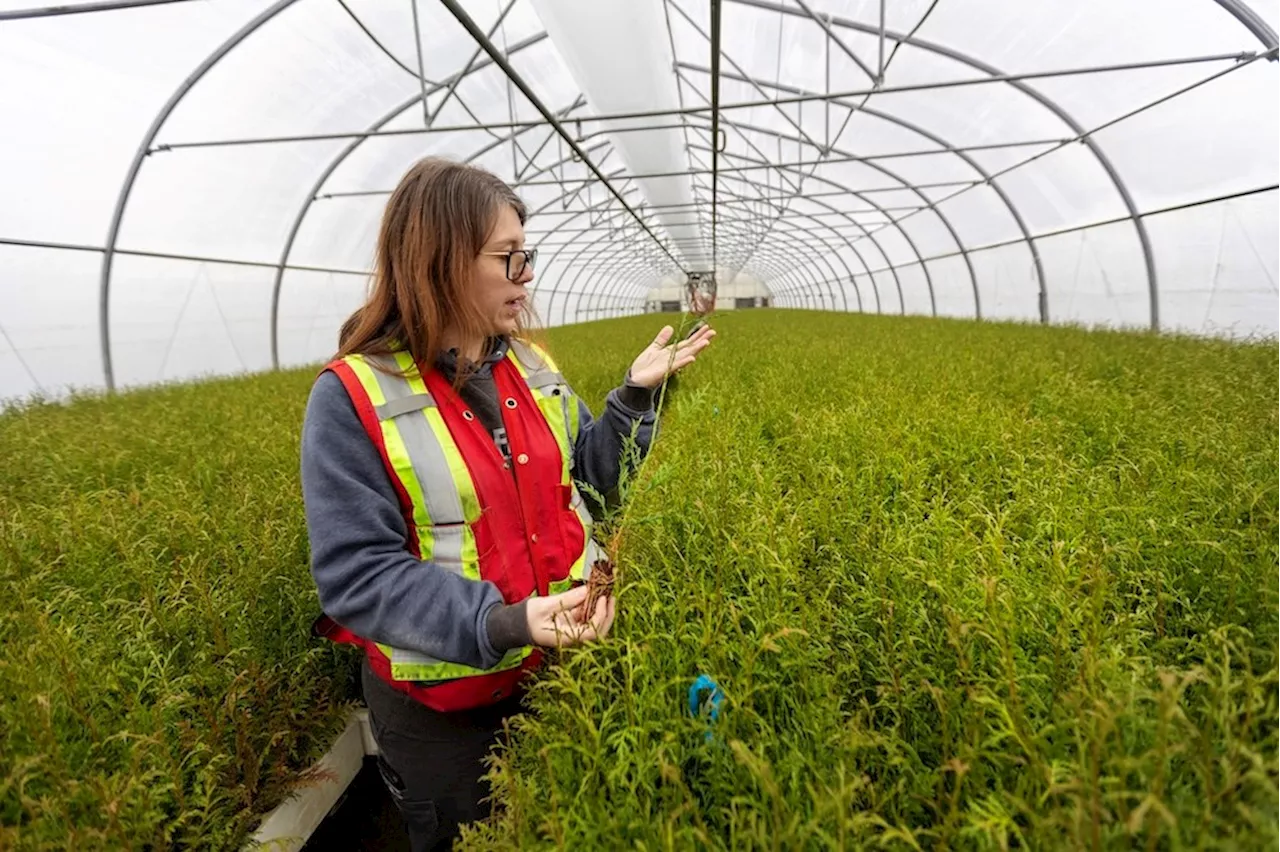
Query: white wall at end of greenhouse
{"x": 743, "y": 286}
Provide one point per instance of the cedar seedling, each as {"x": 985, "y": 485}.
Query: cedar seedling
{"x": 608, "y": 530}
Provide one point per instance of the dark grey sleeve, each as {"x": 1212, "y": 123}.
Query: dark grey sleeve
{"x": 602, "y": 445}
{"x": 367, "y": 580}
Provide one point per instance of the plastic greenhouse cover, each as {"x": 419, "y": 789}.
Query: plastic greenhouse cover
{"x": 202, "y": 181}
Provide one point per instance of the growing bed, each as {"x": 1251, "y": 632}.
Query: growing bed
{"x": 962, "y": 585}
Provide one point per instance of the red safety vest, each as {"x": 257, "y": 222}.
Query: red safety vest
{"x": 521, "y": 524}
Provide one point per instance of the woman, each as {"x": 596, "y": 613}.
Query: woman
{"x": 439, "y": 457}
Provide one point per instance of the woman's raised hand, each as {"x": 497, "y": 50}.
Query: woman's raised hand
{"x": 660, "y": 360}
{"x": 559, "y": 621}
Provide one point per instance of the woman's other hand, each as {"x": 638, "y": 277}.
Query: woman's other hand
{"x": 660, "y": 360}
{"x": 559, "y": 621}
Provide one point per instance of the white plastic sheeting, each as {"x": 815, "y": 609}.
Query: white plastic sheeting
{"x": 1086, "y": 161}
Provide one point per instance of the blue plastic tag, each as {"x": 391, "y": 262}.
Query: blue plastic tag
{"x": 705, "y": 686}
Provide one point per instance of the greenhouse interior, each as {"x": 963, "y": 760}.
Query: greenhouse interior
{"x": 962, "y": 533}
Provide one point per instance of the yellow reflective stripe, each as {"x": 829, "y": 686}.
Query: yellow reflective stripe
{"x": 410, "y": 369}
{"x": 520, "y": 368}
{"x": 442, "y": 670}
{"x": 553, "y": 413}
{"x": 578, "y": 570}
{"x": 575, "y": 415}
{"x": 396, "y": 451}
{"x": 468, "y": 562}
{"x": 402, "y": 461}
{"x": 457, "y": 465}
{"x": 547, "y": 363}
{"x": 542, "y": 353}
{"x": 403, "y": 464}
{"x": 555, "y": 587}
{"x": 581, "y": 568}
{"x": 367, "y": 379}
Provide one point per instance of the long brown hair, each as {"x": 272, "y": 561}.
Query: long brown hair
{"x": 433, "y": 228}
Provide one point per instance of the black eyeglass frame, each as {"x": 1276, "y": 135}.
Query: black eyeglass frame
{"x": 528, "y": 257}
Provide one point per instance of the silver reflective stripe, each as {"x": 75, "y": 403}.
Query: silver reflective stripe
{"x": 591, "y": 554}
{"x": 439, "y": 491}
{"x": 446, "y": 544}
{"x": 580, "y": 506}
{"x": 540, "y": 375}
{"x": 592, "y": 551}
{"x": 540, "y": 379}
{"x": 394, "y": 387}
{"x": 532, "y": 363}
{"x": 404, "y": 405}
{"x": 400, "y": 656}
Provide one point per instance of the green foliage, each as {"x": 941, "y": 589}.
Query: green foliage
{"x": 158, "y": 686}
{"x": 964, "y": 586}
{"x": 973, "y": 586}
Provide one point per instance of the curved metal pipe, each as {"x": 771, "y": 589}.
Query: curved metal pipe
{"x": 938, "y": 140}
{"x": 342, "y": 156}
{"x": 609, "y": 216}
{"x": 1048, "y": 103}
{"x": 610, "y": 293}
{"x": 905, "y": 236}
{"x": 785, "y": 291}
{"x": 875, "y": 289}
{"x": 739, "y": 126}
{"x": 1252, "y": 22}
{"x": 778, "y": 270}
{"x": 793, "y": 230}
{"x": 631, "y": 274}
{"x": 748, "y": 79}
{"x": 907, "y": 187}
{"x": 122, "y": 199}
{"x": 822, "y": 239}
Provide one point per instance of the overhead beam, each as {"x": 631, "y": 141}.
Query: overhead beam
{"x": 1098, "y": 223}
{"x": 122, "y": 199}
{"x": 959, "y": 151}
{"x": 738, "y": 105}
{"x": 166, "y": 255}
{"x": 450, "y": 85}
{"x": 495, "y": 54}
{"x": 715, "y": 134}
{"x": 1019, "y": 83}
{"x": 81, "y": 8}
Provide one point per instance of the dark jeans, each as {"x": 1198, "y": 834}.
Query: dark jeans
{"x": 431, "y": 762}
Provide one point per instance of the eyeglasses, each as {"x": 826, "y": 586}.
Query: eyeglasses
{"x": 517, "y": 260}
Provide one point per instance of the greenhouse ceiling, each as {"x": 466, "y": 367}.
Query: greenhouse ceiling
{"x": 194, "y": 187}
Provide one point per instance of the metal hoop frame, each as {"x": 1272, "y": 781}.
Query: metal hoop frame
{"x": 786, "y": 254}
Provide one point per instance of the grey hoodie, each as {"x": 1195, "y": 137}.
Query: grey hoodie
{"x": 368, "y": 582}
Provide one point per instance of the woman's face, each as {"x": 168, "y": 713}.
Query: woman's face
{"x": 500, "y": 300}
